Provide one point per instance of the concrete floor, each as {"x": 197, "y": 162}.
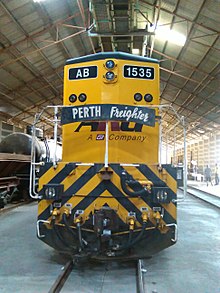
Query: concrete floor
{"x": 193, "y": 264}
{"x": 27, "y": 265}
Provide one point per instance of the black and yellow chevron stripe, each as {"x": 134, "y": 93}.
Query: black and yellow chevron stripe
{"x": 85, "y": 190}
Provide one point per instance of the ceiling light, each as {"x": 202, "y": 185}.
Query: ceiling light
{"x": 201, "y": 131}
{"x": 166, "y": 34}
{"x": 38, "y": 0}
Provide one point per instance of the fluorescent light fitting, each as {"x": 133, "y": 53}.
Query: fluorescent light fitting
{"x": 135, "y": 51}
{"x": 172, "y": 36}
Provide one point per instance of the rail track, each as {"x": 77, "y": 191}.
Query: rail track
{"x": 65, "y": 275}
{"x": 209, "y": 198}
{"x": 11, "y": 206}
{"x": 140, "y": 279}
{"x": 62, "y": 278}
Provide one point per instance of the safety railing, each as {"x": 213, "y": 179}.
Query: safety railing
{"x": 55, "y": 121}
{"x": 38, "y": 118}
{"x": 180, "y": 122}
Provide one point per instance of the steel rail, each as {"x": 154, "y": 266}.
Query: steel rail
{"x": 13, "y": 206}
{"x": 62, "y": 278}
{"x": 139, "y": 276}
{"x": 207, "y": 193}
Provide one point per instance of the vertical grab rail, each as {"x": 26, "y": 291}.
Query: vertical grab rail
{"x": 32, "y": 192}
{"x": 106, "y": 144}
{"x": 160, "y": 139}
{"x": 174, "y": 146}
{"x": 55, "y": 136}
{"x": 166, "y": 148}
{"x": 182, "y": 122}
{"x": 185, "y": 160}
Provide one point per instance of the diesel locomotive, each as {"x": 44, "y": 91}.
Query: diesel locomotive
{"x": 109, "y": 197}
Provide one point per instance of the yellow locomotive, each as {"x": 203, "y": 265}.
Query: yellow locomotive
{"x": 108, "y": 197}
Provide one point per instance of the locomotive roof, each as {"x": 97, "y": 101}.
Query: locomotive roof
{"x": 115, "y": 55}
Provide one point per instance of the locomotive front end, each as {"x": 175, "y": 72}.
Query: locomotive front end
{"x": 109, "y": 197}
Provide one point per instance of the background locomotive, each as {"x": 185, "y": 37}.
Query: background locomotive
{"x": 15, "y": 159}
{"x": 108, "y": 197}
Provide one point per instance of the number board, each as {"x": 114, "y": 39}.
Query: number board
{"x": 142, "y": 72}
{"x": 83, "y": 72}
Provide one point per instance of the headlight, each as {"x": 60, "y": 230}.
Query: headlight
{"x": 110, "y": 64}
{"x": 110, "y": 75}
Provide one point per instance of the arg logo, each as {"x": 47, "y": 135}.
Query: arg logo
{"x": 114, "y": 126}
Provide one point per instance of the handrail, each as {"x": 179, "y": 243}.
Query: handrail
{"x": 32, "y": 181}
{"x": 181, "y": 121}
{"x": 32, "y": 192}
{"x": 106, "y": 144}
{"x": 55, "y": 136}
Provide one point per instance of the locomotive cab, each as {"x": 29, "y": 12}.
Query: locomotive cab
{"x": 108, "y": 197}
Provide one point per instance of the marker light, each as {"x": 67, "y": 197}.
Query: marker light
{"x": 72, "y": 98}
{"x": 110, "y": 75}
{"x": 82, "y": 97}
{"x": 110, "y": 64}
{"x": 138, "y": 97}
{"x": 50, "y": 192}
{"x": 148, "y": 98}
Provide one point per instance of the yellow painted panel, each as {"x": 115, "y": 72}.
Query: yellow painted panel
{"x": 170, "y": 181}
{"x": 127, "y": 143}
{"x": 171, "y": 209}
{"x": 73, "y": 176}
{"x": 50, "y": 174}
{"x": 43, "y": 205}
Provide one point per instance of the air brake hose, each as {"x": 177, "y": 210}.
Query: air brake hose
{"x": 130, "y": 236}
{"x": 135, "y": 241}
{"x": 67, "y": 225}
{"x": 138, "y": 238}
{"x": 80, "y": 236}
{"x": 71, "y": 231}
{"x": 59, "y": 236}
{"x": 132, "y": 184}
